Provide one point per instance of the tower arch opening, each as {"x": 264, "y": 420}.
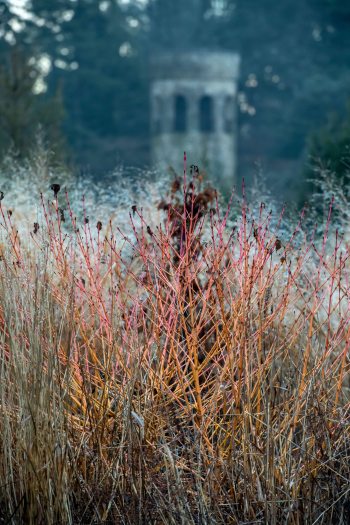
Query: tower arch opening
{"x": 206, "y": 114}
{"x": 180, "y": 115}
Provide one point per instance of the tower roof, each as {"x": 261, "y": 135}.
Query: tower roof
{"x": 206, "y": 65}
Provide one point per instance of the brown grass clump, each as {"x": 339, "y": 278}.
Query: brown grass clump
{"x": 188, "y": 373}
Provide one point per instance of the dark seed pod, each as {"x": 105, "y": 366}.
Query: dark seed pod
{"x": 1, "y": 195}
{"x": 9, "y": 213}
{"x": 86, "y": 220}
{"x": 149, "y": 231}
{"x": 278, "y": 244}
{"x": 55, "y": 188}
{"x": 36, "y": 227}
{"x": 99, "y": 226}
{"x": 134, "y": 209}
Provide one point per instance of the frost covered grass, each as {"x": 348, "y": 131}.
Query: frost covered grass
{"x": 166, "y": 360}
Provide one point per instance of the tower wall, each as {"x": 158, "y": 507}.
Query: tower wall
{"x": 206, "y": 84}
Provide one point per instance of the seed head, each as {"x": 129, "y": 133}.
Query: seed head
{"x": 55, "y": 188}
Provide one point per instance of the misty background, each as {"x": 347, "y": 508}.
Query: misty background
{"x": 78, "y": 70}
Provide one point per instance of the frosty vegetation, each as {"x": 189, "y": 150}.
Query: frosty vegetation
{"x": 166, "y": 358}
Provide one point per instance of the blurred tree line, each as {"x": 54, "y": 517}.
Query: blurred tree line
{"x": 79, "y": 68}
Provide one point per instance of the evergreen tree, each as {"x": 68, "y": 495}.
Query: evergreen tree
{"x": 96, "y": 68}
{"x": 22, "y": 111}
{"x": 329, "y": 149}
{"x": 175, "y": 25}
{"x": 93, "y": 55}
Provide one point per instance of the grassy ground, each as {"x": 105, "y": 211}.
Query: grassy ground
{"x": 194, "y": 372}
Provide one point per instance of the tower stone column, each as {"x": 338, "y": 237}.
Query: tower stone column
{"x": 193, "y": 109}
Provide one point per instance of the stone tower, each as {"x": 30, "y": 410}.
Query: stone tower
{"x": 193, "y": 109}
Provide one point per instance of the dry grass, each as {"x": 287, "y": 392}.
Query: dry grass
{"x": 190, "y": 373}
